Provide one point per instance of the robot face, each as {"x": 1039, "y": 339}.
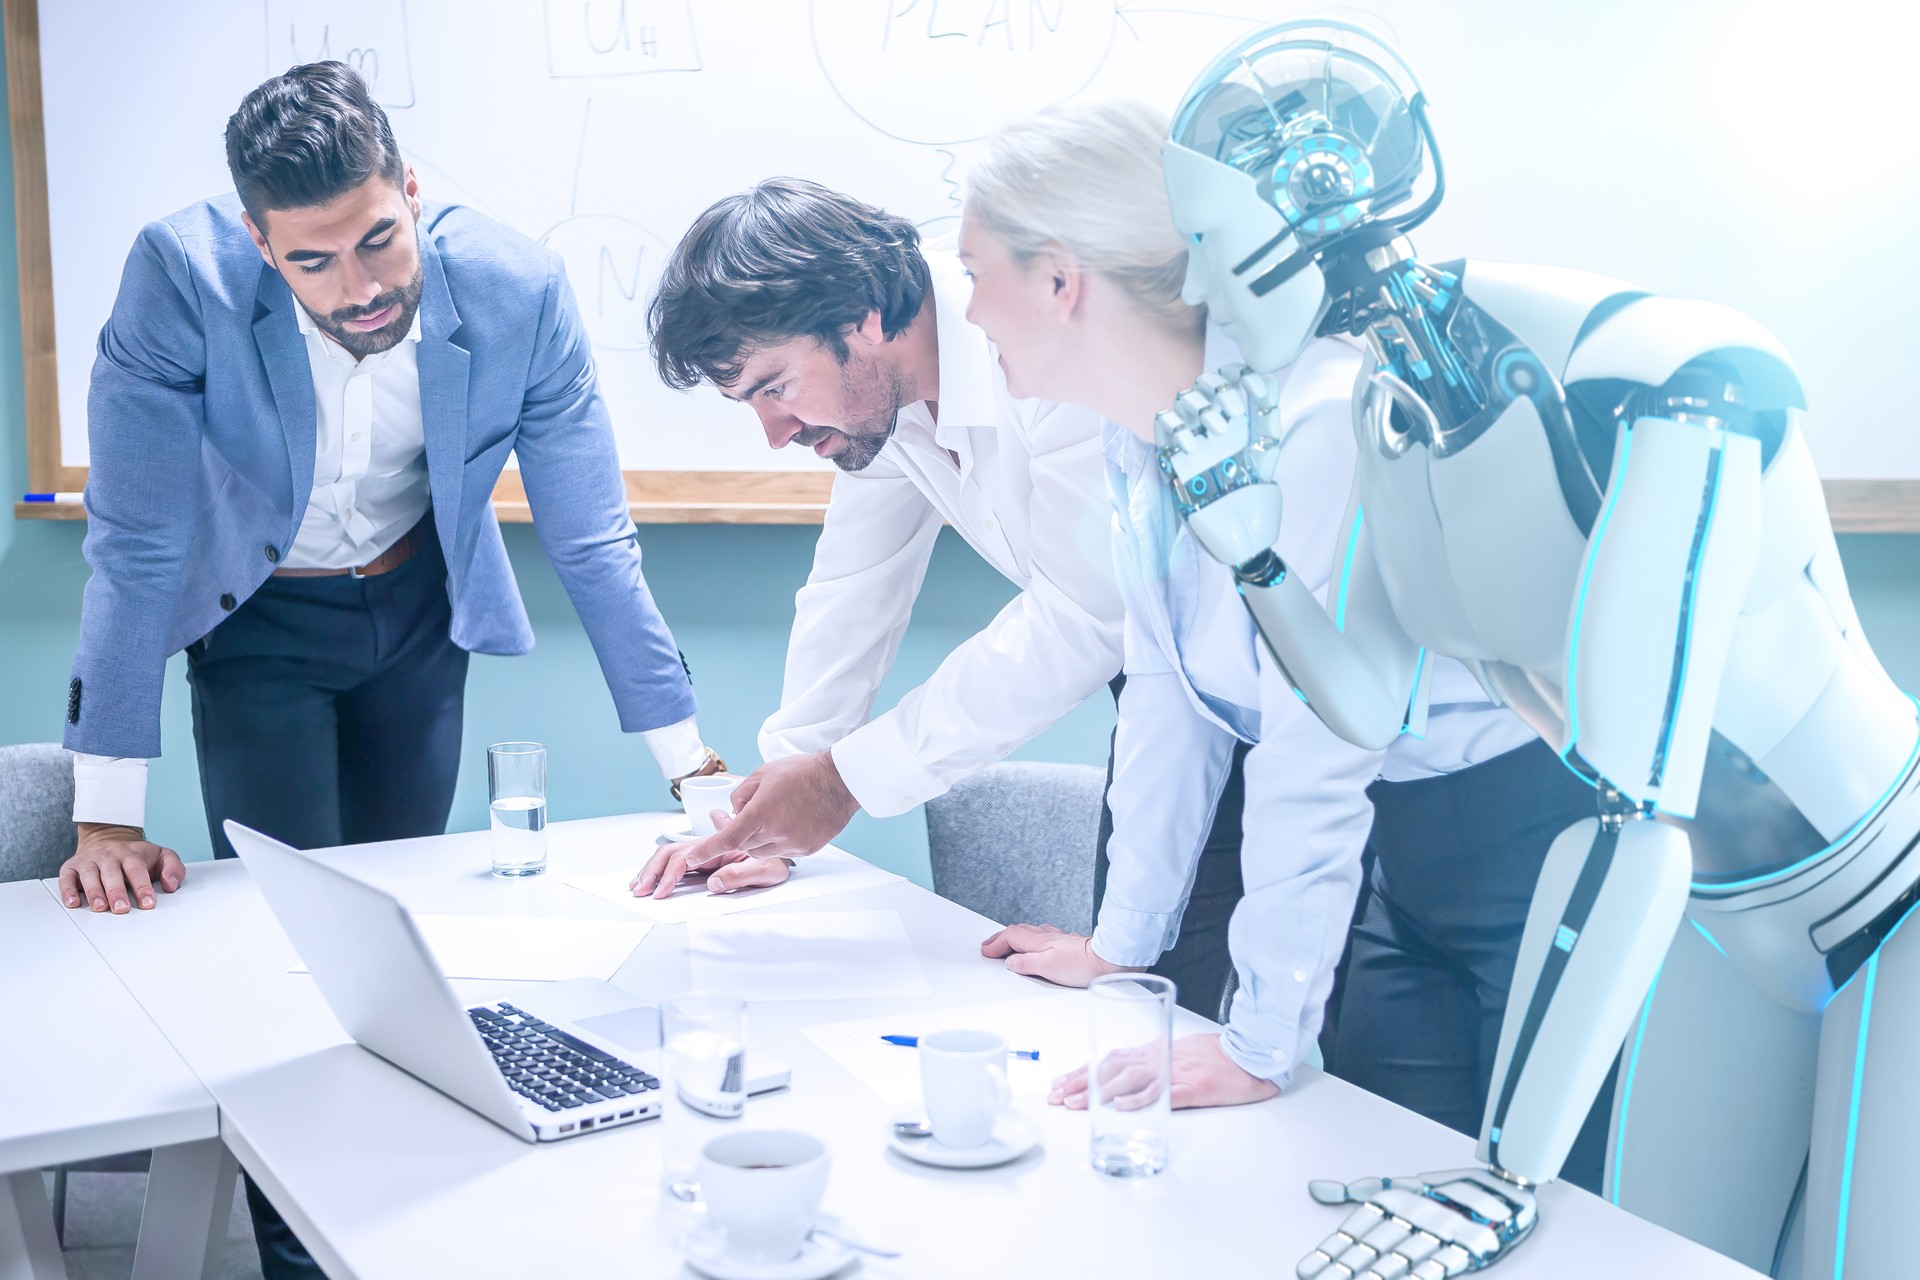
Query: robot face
{"x": 1297, "y": 136}
{"x": 1221, "y": 212}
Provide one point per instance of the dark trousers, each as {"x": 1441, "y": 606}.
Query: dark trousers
{"x": 1198, "y": 963}
{"x": 327, "y": 711}
{"x": 1431, "y": 956}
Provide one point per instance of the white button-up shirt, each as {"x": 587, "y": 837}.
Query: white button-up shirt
{"x": 1022, "y": 481}
{"x": 370, "y": 451}
{"x": 1199, "y": 679}
{"x": 370, "y": 487}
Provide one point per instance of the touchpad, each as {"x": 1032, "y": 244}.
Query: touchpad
{"x": 636, "y": 1030}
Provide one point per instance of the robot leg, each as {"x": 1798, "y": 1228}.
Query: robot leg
{"x": 1609, "y": 897}
{"x": 1713, "y": 1106}
{"x": 1861, "y": 1182}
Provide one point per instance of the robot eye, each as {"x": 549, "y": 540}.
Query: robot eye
{"x": 1198, "y": 237}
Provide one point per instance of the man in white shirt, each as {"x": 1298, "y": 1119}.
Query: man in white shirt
{"x": 821, "y": 314}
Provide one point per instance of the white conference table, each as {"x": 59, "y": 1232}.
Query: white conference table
{"x": 84, "y": 1073}
{"x": 384, "y": 1177}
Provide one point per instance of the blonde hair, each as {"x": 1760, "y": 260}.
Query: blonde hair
{"x": 1085, "y": 178}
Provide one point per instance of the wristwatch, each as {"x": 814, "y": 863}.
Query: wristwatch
{"x": 712, "y": 764}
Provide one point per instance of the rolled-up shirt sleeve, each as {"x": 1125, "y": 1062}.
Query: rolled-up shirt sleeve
{"x": 1042, "y": 655}
{"x": 849, "y": 618}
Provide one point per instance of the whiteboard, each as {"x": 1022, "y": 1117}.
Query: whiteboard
{"x": 1749, "y": 151}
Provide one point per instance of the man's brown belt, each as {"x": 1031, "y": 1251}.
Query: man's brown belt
{"x": 387, "y": 561}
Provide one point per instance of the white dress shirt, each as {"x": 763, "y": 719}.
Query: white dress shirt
{"x": 1022, "y": 481}
{"x": 369, "y": 488}
{"x": 1199, "y": 680}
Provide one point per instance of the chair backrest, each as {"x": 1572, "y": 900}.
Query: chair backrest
{"x": 1016, "y": 843}
{"x": 36, "y": 810}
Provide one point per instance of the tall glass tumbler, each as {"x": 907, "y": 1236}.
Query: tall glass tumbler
{"x": 517, "y": 797}
{"x": 703, "y": 1086}
{"x": 1130, "y": 1073}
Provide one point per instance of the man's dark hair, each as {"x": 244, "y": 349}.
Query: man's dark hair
{"x": 306, "y": 138}
{"x": 787, "y": 259}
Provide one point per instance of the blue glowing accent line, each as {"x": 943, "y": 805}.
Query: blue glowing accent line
{"x": 1614, "y": 486}
{"x": 1419, "y": 674}
{"x": 1711, "y": 940}
{"x": 1853, "y": 1121}
{"x": 1626, "y": 1093}
{"x": 1873, "y": 811}
{"x": 1564, "y": 938}
{"x": 1346, "y": 570}
{"x": 1686, "y": 613}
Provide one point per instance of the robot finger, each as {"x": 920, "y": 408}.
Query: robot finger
{"x": 1259, "y": 391}
{"x": 1189, "y": 405}
{"x": 1324, "y": 1262}
{"x": 1446, "y": 1262}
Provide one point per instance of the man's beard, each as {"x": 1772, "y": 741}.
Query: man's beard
{"x": 406, "y": 303}
{"x": 874, "y": 397}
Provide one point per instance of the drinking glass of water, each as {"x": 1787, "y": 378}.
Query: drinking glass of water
{"x": 1130, "y": 1073}
{"x": 703, "y": 1040}
{"x": 517, "y": 792}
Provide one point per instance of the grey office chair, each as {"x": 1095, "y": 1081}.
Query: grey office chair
{"x": 36, "y": 836}
{"x": 1016, "y": 842}
{"x": 36, "y": 810}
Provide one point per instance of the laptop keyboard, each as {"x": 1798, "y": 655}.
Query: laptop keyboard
{"x": 546, "y": 1065}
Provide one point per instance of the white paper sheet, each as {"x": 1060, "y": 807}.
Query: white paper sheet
{"x": 528, "y": 948}
{"x": 829, "y": 871}
{"x": 1054, "y": 1025}
{"x": 819, "y": 955}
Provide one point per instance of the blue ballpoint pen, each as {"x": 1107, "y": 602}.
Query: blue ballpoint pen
{"x": 908, "y": 1042}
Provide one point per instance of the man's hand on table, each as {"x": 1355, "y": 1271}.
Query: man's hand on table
{"x": 667, "y": 869}
{"x": 1203, "y": 1076}
{"x": 116, "y": 868}
{"x": 787, "y": 809}
{"x": 1042, "y": 951}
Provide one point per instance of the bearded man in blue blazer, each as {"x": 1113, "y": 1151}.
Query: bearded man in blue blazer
{"x": 298, "y": 411}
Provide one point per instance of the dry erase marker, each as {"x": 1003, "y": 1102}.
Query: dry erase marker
{"x": 908, "y": 1042}
{"x": 50, "y": 497}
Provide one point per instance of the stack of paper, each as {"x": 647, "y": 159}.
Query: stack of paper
{"x": 821, "y": 955}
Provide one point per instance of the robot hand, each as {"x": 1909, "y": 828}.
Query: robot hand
{"x": 1430, "y": 1226}
{"x": 1218, "y": 447}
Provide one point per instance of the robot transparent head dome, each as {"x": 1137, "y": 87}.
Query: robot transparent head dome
{"x": 1326, "y": 117}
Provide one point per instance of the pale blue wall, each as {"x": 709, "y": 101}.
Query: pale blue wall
{"x": 734, "y": 639}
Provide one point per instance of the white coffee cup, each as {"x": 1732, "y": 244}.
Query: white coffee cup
{"x": 763, "y": 1189}
{"x": 963, "y": 1077}
{"x": 701, "y": 796}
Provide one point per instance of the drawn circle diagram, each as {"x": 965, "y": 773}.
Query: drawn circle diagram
{"x": 944, "y": 71}
{"x": 613, "y": 265}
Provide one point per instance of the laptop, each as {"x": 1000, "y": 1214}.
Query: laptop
{"x": 539, "y": 1078}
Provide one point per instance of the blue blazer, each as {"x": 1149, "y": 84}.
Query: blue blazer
{"x": 200, "y": 426}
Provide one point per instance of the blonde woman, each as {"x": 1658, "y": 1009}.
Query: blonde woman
{"x": 1079, "y": 279}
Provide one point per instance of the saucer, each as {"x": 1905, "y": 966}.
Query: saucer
{"x": 1014, "y": 1136}
{"x": 820, "y": 1256}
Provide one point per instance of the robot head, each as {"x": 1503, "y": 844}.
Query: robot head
{"x": 1304, "y": 139}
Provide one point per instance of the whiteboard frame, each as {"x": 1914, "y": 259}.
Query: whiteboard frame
{"x": 654, "y": 497}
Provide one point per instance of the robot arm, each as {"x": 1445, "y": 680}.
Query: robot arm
{"x": 1357, "y": 670}
{"x": 1668, "y": 567}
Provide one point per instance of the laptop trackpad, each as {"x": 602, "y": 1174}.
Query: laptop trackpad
{"x": 636, "y": 1030}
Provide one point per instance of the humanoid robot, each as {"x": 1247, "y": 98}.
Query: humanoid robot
{"x": 1602, "y": 502}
